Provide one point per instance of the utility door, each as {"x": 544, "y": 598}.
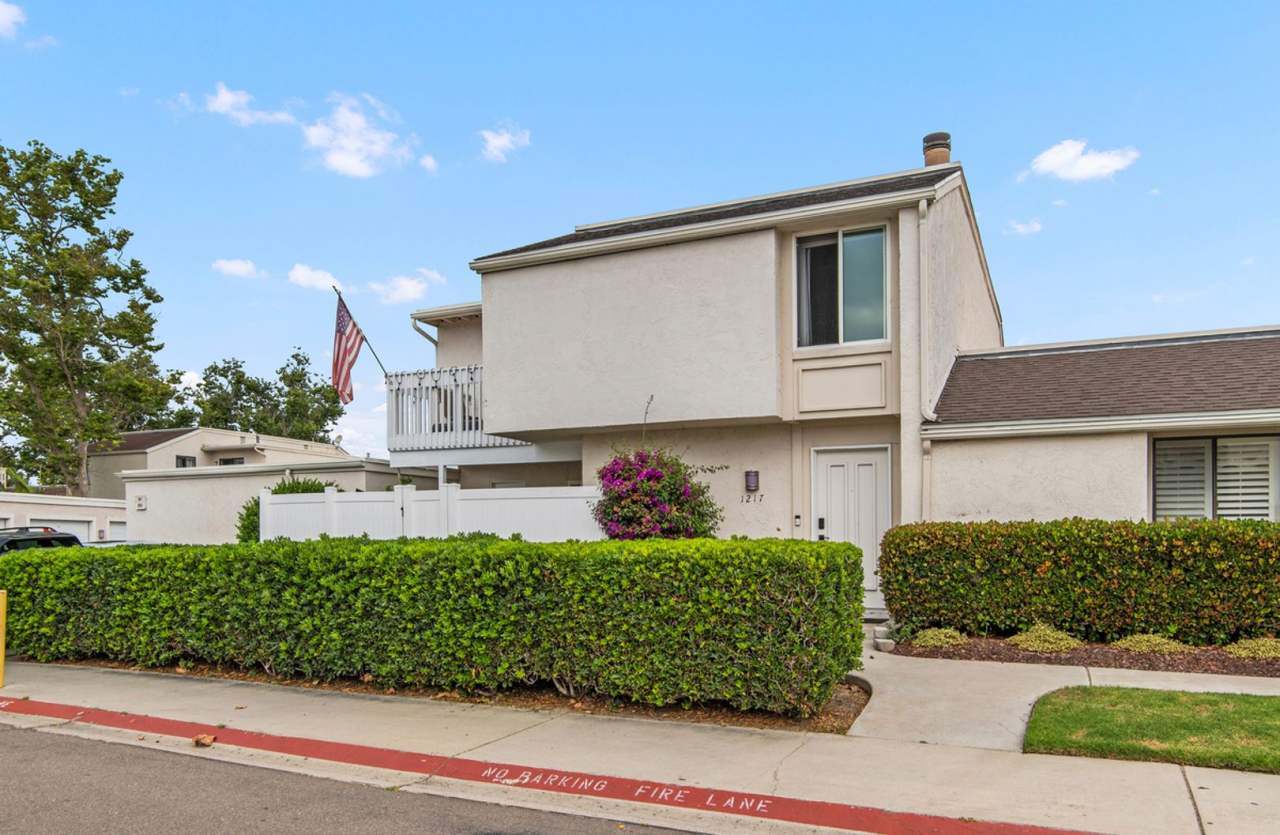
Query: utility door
{"x": 852, "y": 503}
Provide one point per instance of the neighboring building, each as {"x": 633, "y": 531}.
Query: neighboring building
{"x": 843, "y": 345}
{"x": 195, "y": 446}
{"x": 200, "y": 505}
{"x": 92, "y": 520}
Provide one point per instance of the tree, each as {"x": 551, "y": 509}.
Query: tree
{"x": 299, "y": 403}
{"x": 653, "y": 493}
{"x": 77, "y": 345}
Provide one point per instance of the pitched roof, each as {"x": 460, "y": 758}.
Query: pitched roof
{"x": 923, "y": 178}
{"x": 143, "y": 439}
{"x": 1222, "y": 372}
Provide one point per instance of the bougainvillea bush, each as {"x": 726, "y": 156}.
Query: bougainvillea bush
{"x": 652, "y": 493}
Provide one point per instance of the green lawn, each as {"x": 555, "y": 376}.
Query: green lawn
{"x": 1215, "y": 730}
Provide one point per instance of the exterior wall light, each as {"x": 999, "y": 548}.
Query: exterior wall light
{"x": 753, "y": 480}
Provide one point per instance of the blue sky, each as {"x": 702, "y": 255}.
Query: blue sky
{"x": 351, "y": 140}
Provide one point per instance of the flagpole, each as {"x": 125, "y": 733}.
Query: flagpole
{"x": 366, "y": 336}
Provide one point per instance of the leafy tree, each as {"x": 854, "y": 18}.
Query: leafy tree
{"x": 77, "y": 343}
{"x": 298, "y": 403}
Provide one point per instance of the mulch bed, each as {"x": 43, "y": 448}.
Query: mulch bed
{"x": 836, "y": 717}
{"x": 1202, "y": 660}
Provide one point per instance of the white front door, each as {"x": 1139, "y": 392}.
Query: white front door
{"x": 851, "y": 503}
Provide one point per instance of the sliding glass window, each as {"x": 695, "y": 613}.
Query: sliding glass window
{"x": 840, "y": 288}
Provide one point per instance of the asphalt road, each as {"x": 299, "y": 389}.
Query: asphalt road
{"x": 60, "y": 784}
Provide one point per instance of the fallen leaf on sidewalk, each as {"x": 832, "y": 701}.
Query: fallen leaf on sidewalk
{"x": 203, "y": 740}
{"x": 241, "y": 707}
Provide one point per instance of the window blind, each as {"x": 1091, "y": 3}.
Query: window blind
{"x": 1245, "y": 472}
{"x": 1182, "y": 480}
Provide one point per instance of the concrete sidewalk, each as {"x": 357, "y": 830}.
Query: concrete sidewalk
{"x": 951, "y": 781}
{"x": 986, "y": 704}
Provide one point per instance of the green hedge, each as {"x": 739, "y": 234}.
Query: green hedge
{"x": 759, "y": 624}
{"x": 1205, "y": 582}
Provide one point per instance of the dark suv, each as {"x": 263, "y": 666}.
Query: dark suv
{"x": 18, "y": 539}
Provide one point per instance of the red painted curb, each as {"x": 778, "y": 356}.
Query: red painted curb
{"x": 770, "y": 807}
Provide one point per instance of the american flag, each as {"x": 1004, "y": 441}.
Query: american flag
{"x": 347, "y": 340}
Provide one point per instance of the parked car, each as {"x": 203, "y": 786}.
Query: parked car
{"x": 18, "y": 539}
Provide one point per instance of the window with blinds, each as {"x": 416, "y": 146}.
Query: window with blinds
{"x": 1244, "y": 481}
{"x": 1182, "y": 479}
{"x": 1216, "y": 478}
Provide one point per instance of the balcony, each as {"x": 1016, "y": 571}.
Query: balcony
{"x": 439, "y": 409}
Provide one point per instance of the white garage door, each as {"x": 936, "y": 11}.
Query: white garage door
{"x": 116, "y": 531}
{"x": 80, "y": 529}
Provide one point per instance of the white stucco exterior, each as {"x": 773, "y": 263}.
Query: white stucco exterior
{"x": 200, "y": 505}
{"x": 1102, "y": 476}
{"x": 93, "y": 520}
{"x": 582, "y": 344}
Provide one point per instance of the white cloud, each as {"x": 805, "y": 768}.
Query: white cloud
{"x": 305, "y": 276}
{"x": 42, "y": 42}
{"x": 235, "y": 105}
{"x": 1155, "y": 192}
{"x": 351, "y": 143}
{"x": 1068, "y": 160}
{"x": 1031, "y": 227}
{"x": 1060, "y": 203}
{"x": 406, "y": 288}
{"x": 429, "y": 163}
{"x": 238, "y": 267}
{"x": 190, "y": 379}
{"x": 501, "y": 142}
{"x": 129, "y": 92}
{"x": 11, "y": 17}
{"x": 180, "y": 103}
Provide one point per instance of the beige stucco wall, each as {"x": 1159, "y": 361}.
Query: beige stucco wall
{"x": 274, "y": 451}
{"x": 1051, "y": 477}
{"x": 782, "y": 453}
{"x": 19, "y": 509}
{"x": 202, "y": 509}
{"x": 961, "y": 313}
{"x": 459, "y": 344}
{"x": 104, "y": 472}
{"x": 544, "y": 474}
{"x": 582, "y": 344}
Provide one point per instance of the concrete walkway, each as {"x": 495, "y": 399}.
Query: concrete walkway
{"x": 959, "y": 783}
{"x": 986, "y": 704}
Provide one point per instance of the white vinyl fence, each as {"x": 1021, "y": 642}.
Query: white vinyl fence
{"x": 539, "y": 514}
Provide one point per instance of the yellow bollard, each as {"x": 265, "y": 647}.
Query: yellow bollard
{"x": 4, "y": 611}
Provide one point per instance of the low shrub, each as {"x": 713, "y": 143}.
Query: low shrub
{"x": 1044, "y": 638}
{"x": 759, "y": 624}
{"x": 1201, "y": 582}
{"x": 1266, "y": 648}
{"x": 938, "y": 638}
{"x": 1149, "y": 643}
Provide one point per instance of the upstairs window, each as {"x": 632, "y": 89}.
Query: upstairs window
{"x": 841, "y": 288}
{"x": 184, "y": 461}
{"x": 1217, "y": 478}
{"x": 230, "y": 462}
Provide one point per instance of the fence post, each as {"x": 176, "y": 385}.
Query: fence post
{"x": 264, "y": 515}
{"x": 331, "y": 511}
{"x": 4, "y": 615}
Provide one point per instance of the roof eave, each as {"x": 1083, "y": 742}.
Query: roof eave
{"x": 1237, "y": 419}
{"x": 729, "y": 226}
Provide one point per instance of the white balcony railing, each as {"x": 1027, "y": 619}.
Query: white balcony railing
{"x": 438, "y": 408}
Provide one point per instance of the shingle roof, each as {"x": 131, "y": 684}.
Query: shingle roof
{"x": 1210, "y": 373}
{"x": 924, "y": 178}
{"x": 144, "y": 439}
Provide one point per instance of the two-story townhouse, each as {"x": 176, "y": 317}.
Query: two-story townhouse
{"x": 797, "y": 341}
{"x": 837, "y": 352}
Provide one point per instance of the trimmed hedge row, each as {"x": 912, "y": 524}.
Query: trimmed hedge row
{"x": 759, "y": 624}
{"x": 1203, "y": 582}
